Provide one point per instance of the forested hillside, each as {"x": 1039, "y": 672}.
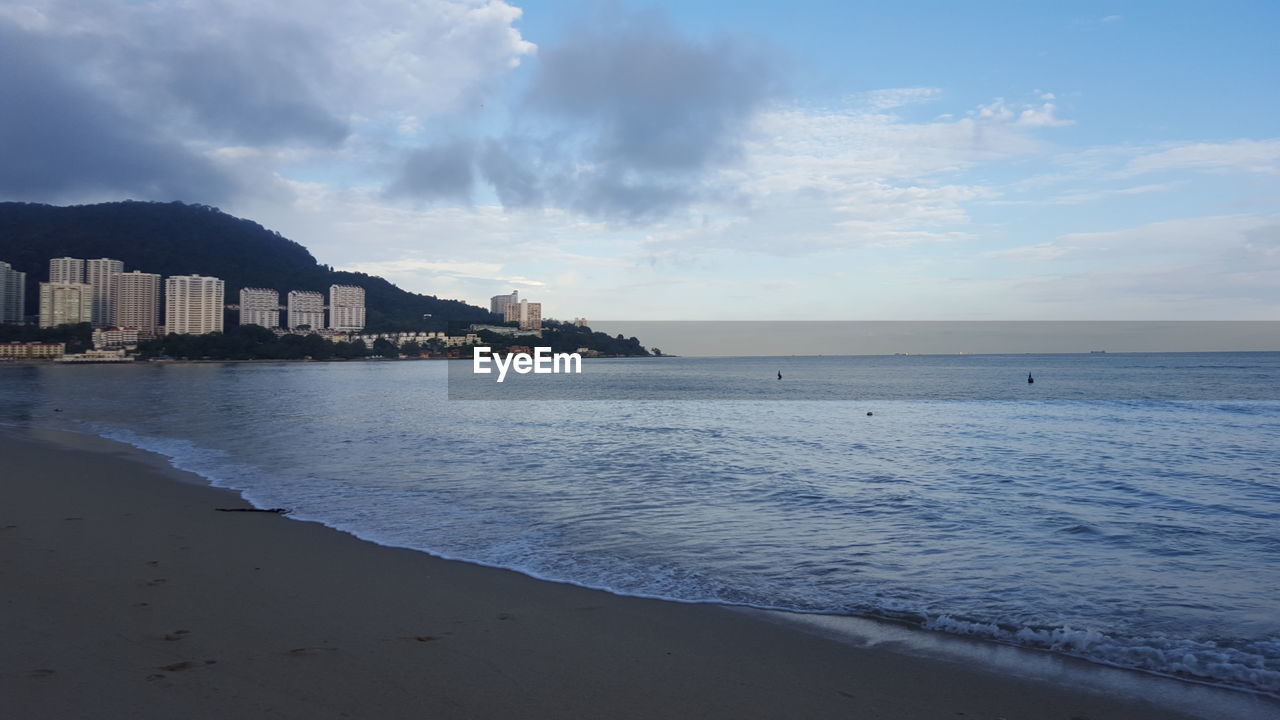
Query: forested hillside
{"x": 180, "y": 239}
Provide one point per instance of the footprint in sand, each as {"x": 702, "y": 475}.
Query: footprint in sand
{"x": 41, "y": 673}
{"x": 311, "y": 651}
{"x": 177, "y": 635}
{"x": 153, "y": 563}
{"x": 157, "y": 581}
{"x": 187, "y": 665}
{"x": 419, "y": 638}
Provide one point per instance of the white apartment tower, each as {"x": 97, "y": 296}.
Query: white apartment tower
{"x": 98, "y": 274}
{"x": 193, "y": 304}
{"x": 66, "y": 270}
{"x": 528, "y": 314}
{"x": 498, "y": 303}
{"x": 13, "y": 295}
{"x": 260, "y": 306}
{"x": 306, "y": 308}
{"x": 136, "y": 301}
{"x": 346, "y": 307}
{"x": 65, "y": 303}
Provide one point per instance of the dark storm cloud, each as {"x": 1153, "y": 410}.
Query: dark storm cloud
{"x": 625, "y": 119}
{"x": 113, "y": 109}
{"x": 441, "y": 172}
{"x": 513, "y": 178}
{"x": 650, "y": 100}
{"x": 252, "y": 90}
{"x": 61, "y": 140}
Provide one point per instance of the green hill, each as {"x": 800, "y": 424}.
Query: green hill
{"x": 180, "y": 239}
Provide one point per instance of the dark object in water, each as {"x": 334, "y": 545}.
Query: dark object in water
{"x": 1030, "y": 379}
{"x": 278, "y": 511}
{"x": 869, "y": 413}
{"x": 779, "y": 374}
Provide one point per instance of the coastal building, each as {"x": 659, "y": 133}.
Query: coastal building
{"x": 193, "y": 304}
{"x": 13, "y": 295}
{"x": 579, "y": 322}
{"x": 97, "y": 273}
{"x": 136, "y": 302}
{"x": 96, "y": 356}
{"x": 502, "y": 330}
{"x": 66, "y": 270}
{"x": 528, "y": 315}
{"x": 461, "y": 340}
{"x": 306, "y": 308}
{"x": 346, "y": 307}
{"x": 260, "y": 306}
{"x": 31, "y": 350}
{"x": 120, "y": 337}
{"x": 63, "y": 303}
{"x": 498, "y": 303}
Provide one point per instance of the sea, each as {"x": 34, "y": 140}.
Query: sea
{"x": 1123, "y": 508}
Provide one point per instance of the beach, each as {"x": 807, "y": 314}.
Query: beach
{"x": 127, "y": 594}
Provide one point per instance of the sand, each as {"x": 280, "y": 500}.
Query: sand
{"x": 125, "y": 594}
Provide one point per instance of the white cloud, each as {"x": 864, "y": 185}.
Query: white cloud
{"x": 1250, "y": 156}
{"x": 890, "y": 98}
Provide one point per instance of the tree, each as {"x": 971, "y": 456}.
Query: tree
{"x": 385, "y": 348}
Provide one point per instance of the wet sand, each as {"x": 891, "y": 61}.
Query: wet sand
{"x": 125, "y": 594}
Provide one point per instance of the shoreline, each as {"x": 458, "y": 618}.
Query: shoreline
{"x": 295, "y": 610}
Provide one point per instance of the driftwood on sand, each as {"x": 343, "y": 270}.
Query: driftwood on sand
{"x": 278, "y": 511}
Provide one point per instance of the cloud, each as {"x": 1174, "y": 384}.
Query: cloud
{"x": 890, "y": 98}
{"x": 140, "y": 96}
{"x": 62, "y": 140}
{"x": 1251, "y": 156}
{"x": 1225, "y": 242}
{"x": 444, "y": 171}
{"x": 627, "y": 119}
{"x": 1043, "y": 115}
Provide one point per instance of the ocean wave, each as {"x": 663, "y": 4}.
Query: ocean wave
{"x": 1244, "y": 664}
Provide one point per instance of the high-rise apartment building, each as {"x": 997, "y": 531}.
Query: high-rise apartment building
{"x": 346, "y": 307}
{"x": 65, "y": 303}
{"x": 527, "y": 314}
{"x": 260, "y": 306}
{"x": 98, "y": 274}
{"x": 13, "y": 295}
{"x": 498, "y": 303}
{"x": 66, "y": 270}
{"x": 306, "y": 308}
{"x": 136, "y": 301}
{"x": 193, "y": 304}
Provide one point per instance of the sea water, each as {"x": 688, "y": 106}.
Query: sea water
{"x": 1123, "y": 508}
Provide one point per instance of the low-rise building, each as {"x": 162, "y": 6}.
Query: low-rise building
{"x": 119, "y": 337}
{"x": 460, "y": 340}
{"x": 31, "y": 350}
{"x": 96, "y": 356}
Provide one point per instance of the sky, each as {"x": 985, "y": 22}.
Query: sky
{"x": 690, "y": 160}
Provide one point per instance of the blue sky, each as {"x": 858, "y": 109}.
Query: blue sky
{"x": 696, "y": 160}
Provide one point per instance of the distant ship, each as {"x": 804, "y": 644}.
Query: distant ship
{"x": 1097, "y": 352}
